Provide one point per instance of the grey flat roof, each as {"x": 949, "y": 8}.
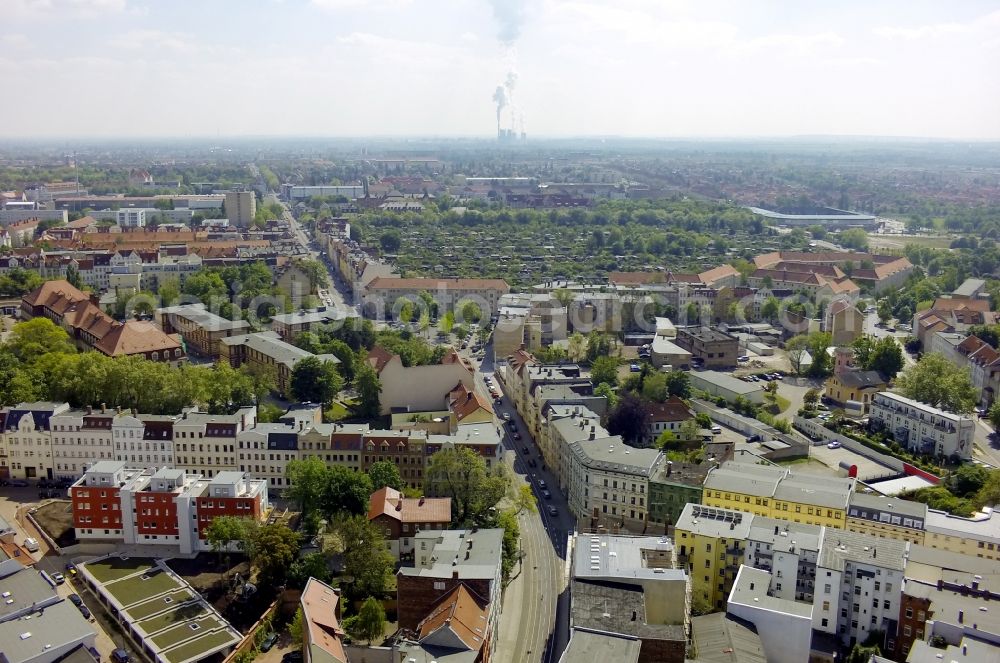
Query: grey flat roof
{"x": 845, "y": 546}
{"x": 802, "y": 535}
{"x": 980, "y": 527}
{"x": 969, "y": 287}
{"x": 107, "y": 466}
{"x": 712, "y": 521}
{"x": 271, "y": 345}
{"x": 613, "y": 455}
{"x": 451, "y": 545}
{"x": 609, "y": 606}
{"x": 843, "y": 216}
{"x": 310, "y": 316}
{"x": 227, "y": 477}
{"x": 26, "y": 587}
{"x": 58, "y": 625}
{"x": 968, "y": 651}
{"x": 620, "y": 558}
{"x": 726, "y": 382}
{"x": 586, "y": 645}
{"x": 888, "y": 504}
{"x": 829, "y": 492}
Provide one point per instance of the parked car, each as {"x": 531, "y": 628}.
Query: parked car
{"x": 634, "y": 368}
{"x": 59, "y": 578}
{"x": 754, "y": 438}
{"x": 85, "y": 611}
{"x": 517, "y": 436}
{"x": 525, "y": 450}
{"x": 532, "y": 463}
{"x": 75, "y": 600}
{"x": 743, "y": 358}
{"x": 19, "y": 483}
{"x": 553, "y": 511}
{"x": 821, "y": 406}
{"x": 71, "y": 570}
{"x": 506, "y": 416}
{"x": 542, "y": 484}
{"x": 835, "y": 444}
{"x": 716, "y": 430}
{"x": 292, "y": 657}
{"x": 120, "y": 656}
{"x": 269, "y": 641}
{"x": 546, "y": 494}
{"x": 31, "y": 544}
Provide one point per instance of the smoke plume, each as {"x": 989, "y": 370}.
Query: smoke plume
{"x": 509, "y": 15}
{"x": 500, "y": 99}
{"x": 510, "y": 18}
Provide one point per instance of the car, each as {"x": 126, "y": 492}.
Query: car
{"x": 517, "y": 436}
{"x": 31, "y": 544}
{"x": 292, "y": 657}
{"x": 743, "y": 358}
{"x": 506, "y": 416}
{"x": 19, "y": 483}
{"x": 822, "y": 406}
{"x": 75, "y": 600}
{"x": 120, "y": 656}
{"x": 525, "y": 451}
{"x": 532, "y": 463}
{"x": 43, "y": 483}
{"x": 891, "y": 330}
{"x": 835, "y": 444}
{"x": 542, "y": 484}
{"x": 546, "y": 494}
{"x": 553, "y": 511}
{"x": 85, "y": 611}
{"x": 59, "y": 578}
{"x": 268, "y": 641}
{"x": 634, "y": 368}
{"x": 754, "y": 438}
{"x": 716, "y": 430}
{"x": 496, "y": 399}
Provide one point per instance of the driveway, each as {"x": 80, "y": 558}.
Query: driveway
{"x": 867, "y": 468}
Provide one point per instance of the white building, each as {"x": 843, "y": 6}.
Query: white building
{"x": 25, "y": 440}
{"x": 206, "y": 443}
{"x": 922, "y": 428}
{"x": 131, "y": 218}
{"x": 858, "y": 585}
{"x": 787, "y": 550}
{"x": 784, "y": 625}
{"x": 79, "y": 439}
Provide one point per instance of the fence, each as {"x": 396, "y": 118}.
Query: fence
{"x": 249, "y": 641}
{"x": 820, "y": 434}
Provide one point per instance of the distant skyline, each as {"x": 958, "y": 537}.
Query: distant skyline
{"x": 656, "y": 68}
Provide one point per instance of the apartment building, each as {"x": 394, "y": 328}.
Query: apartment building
{"x": 436, "y": 381}
{"x": 880, "y": 516}
{"x": 200, "y": 329}
{"x": 777, "y": 492}
{"x": 856, "y": 386}
{"x": 383, "y": 294}
{"x": 608, "y": 483}
{"x": 144, "y": 440}
{"x": 859, "y": 583}
{"x": 80, "y": 438}
{"x": 665, "y": 417}
{"x": 401, "y": 518}
{"x": 710, "y": 347}
{"x": 290, "y": 325}
{"x": 879, "y": 272}
{"x": 789, "y": 552}
{"x": 976, "y": 536}
{"x": 266, "y": 350}
{"x": 359, "y": 266}
{"x": 241, "y": 207}
{"x": 563, "y": 426}
{"x": 710, "y": 544}
{"x": 205, "y": 444}
{"x": 630, "y": 586}
{"x": 922, "y": 428}
{"x": 92, "y": 329}
{"x": 784, "y": 625}
{"x": 672, "y": 486}
{"x": 26, "y": 441}
{"x": 523, "y": 384}
{"x": 445, "y": 560}
{"x": 112, "y": 502}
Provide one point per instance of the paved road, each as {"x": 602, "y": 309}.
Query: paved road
{"x": 339, "y": 293}
{"x": 534, "y": 625}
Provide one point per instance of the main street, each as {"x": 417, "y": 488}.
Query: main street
{"x": 534, "y": 624}
{"x": 338, "y": 294}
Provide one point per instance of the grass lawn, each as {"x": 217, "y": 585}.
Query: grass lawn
{"x": 115, "y": 568}
{"x": 133, "y": 590}
{"x": 198, "y": 648}
{"x": 144, "y": 610}
{"x": 780, "y": 405}
{"x": 900, "y": 241}
{"x": 181, "y": 632}
{"x": 337, "y": 412}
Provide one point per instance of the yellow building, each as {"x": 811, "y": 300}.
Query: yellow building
{"x": 710, "y": 544}
{"x": 777, "y": 492}
{"x": 858, "y": 386}
{"x": 978, "y": 536}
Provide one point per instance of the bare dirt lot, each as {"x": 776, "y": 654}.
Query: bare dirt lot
{"x": 213, "y": 578}
{"x": 56, "y": 518}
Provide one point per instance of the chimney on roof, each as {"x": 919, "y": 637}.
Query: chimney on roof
{"x": 454, "y": 574}
{"x": 104, "y": 407}
{"x": 90, "y": 410}
{"x": 670, "y": 467}
{"x": 961, "y": 616}
{"x": 119, "y": 409}
{"x": 421, "y": 502}
{"x": 592, "y": 435}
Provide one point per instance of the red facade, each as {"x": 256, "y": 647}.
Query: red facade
{"x": 156, "y": 513}
{"x": 96, "y": 507}
{"x": 209, "y": 508}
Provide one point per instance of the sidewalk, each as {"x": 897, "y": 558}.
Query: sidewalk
{"x": 513, "y": 601}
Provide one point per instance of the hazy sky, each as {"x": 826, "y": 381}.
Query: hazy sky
{"x": 403, "y": 67}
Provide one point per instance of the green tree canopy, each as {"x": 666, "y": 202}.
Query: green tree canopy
{"x": 366, "y": 557}
{"x": 938, "y": 382}
{"x": 462, "y": 475}
{"x": 604, "y": 370}
{"x": 384, "y": 473}
{"x": 369, "y": 623}
{"x": 315, "y": 380}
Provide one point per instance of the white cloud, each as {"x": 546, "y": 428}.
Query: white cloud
{"x": 988, "y": 23}
{"x": 341, "y": 5}
{"x": 62, "y": 8}
{"x": 15, "y": 40}
{"x": 469, "y": 36}
{"x": 146, "y": 39}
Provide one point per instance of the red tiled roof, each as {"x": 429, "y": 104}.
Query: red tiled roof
{"x": 134, "y": 338}
{"x": 378, "y": 357}
{"x": 390, "y": 502}
{"x": 461, "y": 612}
{"x": 673, "y": 409}
{"x": 319, "y": 607}
{"x": 463, "y": 401}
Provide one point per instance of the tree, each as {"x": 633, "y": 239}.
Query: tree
{"x": 679, "y": 384}
{"x": 369, "y": 623}
{"x": 628, "y": 418}
{"x": 886, "y": 357}
{"x": 863, "y": 347}
{"x": 796, "y": 348}
{"x": 383, "y": 473}
{"x": 368, "y": 386}
{"x": 818, "y": 344}
{"x": 73, "y": 276}
{"x": 511, "y": 547}
{"x": 315, "y": 272}
{"x": 854, "y": 238}
{"x": 604, "y": 370}
{"x": 654, "y": 387}
{"x": 598, "y": 345}
{"x": 967, "y": 480}
{"x": 524, "y": 499}
{"x": 577, "y": 346}
{"x": 689, "y": 430}
{"x": 366, "y": 557}
{"x": 994, "y": 414}
{"x": 470, "y": 312}
{"x": 936, "y": 381}
{"x": 564, "y": 296}
{"x": 313, "y": 565}
{"x": 608, "y": 392}
{"x": 307, "y": 480}
{"x": 447, "y": 322}
{"x": 33, "y": 338}
{"x": 884, "y": 311}
{"x": 315, "y": 380}
{"x": 263, "y": 380}
{"x": 989, "y": 494}
{"x": 276, "y": 549}
{"x": 462, "y": 475}
{"x": 770, "y": 309}
{"x": 295, "y": 627}
{"x": 861, "y": 653}
{"x": 390, "y": 241}
{"x": 345, "y": 491}
{"x": 810, "y": 399}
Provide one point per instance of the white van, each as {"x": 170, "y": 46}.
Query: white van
{"x": 716, "y": 429}
{"x": 31, "y": 545}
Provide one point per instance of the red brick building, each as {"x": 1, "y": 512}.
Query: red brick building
{"x": 401, "y": 518}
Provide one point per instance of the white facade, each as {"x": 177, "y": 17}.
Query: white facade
{"x": 25, "y": 440}
{"x": 784, "y": 626}
{"x": 923, "y": 428}
{"x": 131, "y": 218}
{"x": 79, "y": 439}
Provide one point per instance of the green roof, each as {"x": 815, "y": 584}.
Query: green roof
{"x": 116, "y": 568}
{"x": 141, "y": 587}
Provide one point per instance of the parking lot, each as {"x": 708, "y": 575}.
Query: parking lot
{"x": 867, "y": 468}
